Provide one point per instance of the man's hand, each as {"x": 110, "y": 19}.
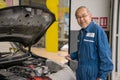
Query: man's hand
{"x": 68, "y": 57}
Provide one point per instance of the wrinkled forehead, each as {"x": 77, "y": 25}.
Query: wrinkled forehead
{"x": 82, "y": 11}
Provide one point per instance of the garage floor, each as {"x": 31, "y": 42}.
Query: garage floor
{"x": 57, "y": 57}
{"x": 116, "y": 76}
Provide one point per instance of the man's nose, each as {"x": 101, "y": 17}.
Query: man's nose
{"x": 81, "y": 19}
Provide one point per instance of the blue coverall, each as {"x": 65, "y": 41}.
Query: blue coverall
{"x": 93, "y": 54}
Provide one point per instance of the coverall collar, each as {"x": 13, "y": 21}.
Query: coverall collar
{"x": 87, "y": 29}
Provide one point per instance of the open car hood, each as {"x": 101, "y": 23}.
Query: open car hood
{"x": 24, "y": 24}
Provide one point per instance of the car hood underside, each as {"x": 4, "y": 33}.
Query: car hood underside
{"x": 24, "y": 24}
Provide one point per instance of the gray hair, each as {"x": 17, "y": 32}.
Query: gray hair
{"x": 81, "y": 8}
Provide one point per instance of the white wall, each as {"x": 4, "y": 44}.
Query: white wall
{"x": 99, "y": 8}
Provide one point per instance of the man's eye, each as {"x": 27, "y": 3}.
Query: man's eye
{"x": 83, "y": 16}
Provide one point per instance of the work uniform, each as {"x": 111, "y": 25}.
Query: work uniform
{"x": 93, "y": 54}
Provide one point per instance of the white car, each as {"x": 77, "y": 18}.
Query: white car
{"x": 21, "y": 27}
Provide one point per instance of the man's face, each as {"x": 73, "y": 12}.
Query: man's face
{"x": 83, "y": 17}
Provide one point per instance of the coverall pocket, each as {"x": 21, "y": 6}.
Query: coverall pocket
{"x": 90, "y": 49}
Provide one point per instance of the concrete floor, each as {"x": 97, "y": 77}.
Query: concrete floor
{"x": 115, "y": 76}
{"x": 58, "y": 57}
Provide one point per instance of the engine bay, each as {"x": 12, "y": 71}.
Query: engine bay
{"x": 30, "y": 69}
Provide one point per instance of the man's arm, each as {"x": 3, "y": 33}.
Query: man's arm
{"x": 105, "y": 61}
